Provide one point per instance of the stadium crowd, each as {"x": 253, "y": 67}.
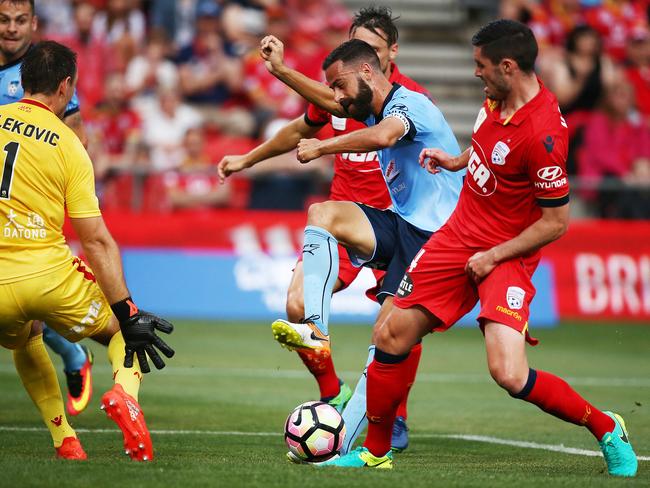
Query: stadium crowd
{"x": 595, "y": 56}
{"x": 167, "y": 88}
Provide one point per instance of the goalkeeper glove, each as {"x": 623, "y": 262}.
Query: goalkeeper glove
{"x": 139, "y": 332}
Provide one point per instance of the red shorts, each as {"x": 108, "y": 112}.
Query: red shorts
{"x": 348, "y": 273}
{"x": 436, "y": 280}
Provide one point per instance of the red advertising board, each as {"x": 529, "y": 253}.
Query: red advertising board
{"x": 602, "y": 271}
{"x": 601, "y": 268}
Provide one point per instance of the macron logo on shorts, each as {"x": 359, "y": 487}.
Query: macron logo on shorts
{"x": 515, "y": 297}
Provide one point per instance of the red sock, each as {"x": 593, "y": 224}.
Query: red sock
{"x": 323, "y": 370}
{"x": 414, "y": 361}
{"x": 387, "y": 383}
{"x": 554, "y": 395}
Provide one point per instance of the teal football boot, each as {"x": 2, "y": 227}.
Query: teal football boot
{"x": 361, "y": 458}
{"x": 617, "y": 450}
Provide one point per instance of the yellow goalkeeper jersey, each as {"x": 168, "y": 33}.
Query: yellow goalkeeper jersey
{"x": 45, "y": 171}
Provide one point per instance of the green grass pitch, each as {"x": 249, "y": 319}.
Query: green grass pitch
{"x": 217, "y": 412}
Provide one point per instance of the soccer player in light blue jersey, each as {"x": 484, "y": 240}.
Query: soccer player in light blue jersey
{"x": 18, "y": 23}
{"x": 400, "y": 124}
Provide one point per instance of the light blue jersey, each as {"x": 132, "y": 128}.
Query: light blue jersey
{"x": 419, "y": 197}
{"x": 11, "y": 89}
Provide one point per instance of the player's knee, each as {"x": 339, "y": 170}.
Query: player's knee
{"x": 295, "y": 306}
{"x": 322, "y": 215}
{"x": 387, "y": 337}
{"x": 509, "y": 378}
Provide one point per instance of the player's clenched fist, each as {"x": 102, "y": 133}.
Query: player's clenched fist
{"x": 272, "y": 52}
{"x": 480, "y": 265}
{"x": 229, "y": 165}
{"x": 308, "y": 150}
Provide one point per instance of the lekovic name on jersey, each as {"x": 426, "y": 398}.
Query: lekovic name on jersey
{"x": 29, "y": 130}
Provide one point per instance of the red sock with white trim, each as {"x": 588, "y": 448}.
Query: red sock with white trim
{"x": 554, "y": 395}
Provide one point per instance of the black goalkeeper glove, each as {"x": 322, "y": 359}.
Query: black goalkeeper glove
{"x": 139, "y": 332}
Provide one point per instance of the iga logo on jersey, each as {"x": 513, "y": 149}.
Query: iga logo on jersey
{"x": 515, "y": 297}
{"x": 549, "y": 173}
{"x": 499, "y": 153}
{"x": 482, "y": 181}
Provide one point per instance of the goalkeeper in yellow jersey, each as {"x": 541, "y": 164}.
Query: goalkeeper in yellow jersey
{"x": 46, "y": 172}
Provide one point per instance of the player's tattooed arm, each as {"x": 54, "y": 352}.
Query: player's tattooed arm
{"x": 284, "y": 141}
{"x": 553, "y": 223}
{"x": 272, "y": 51}
{"x": 432, "y": 159}
{"x": 379, "y": 136}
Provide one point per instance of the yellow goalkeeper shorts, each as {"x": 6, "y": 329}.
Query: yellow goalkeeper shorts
{"x": 68, "y": 300}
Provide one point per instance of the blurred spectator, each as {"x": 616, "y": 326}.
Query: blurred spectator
{"x": 56, "y": 15}
{"x": 195, "y": 183}
{"x": 615, "y": 153}
{"x": 122, "y": 25}
{"x": 151, "y": 69}
{"x": 211, "y": 77}
{"x": 638, "y": 69}
{"x": 165, "y": 121}
{"x": 270, "y": 97}
{"x": 283, "y": 183}
{"x": 243, "y": 26}
{"x": 176, "y": 18}
{"x": 94, "y": 58}
{"x": 615, "y": 20}
{"x": 115, "y": 132}
{"x": 578, "y": 75}
{"x": 208, "y": 73}
{"x": 553, "y": 20}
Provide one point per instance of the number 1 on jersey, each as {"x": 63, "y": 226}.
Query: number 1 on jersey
{"x": 8, "y": 170}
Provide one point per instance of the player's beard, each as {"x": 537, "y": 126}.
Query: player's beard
{"x": 359, "y": 107}
{"x": 498, "y": 88}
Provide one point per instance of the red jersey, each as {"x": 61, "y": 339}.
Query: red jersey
{"x": 515, "y": 167}
{"x": 357, "y": 176}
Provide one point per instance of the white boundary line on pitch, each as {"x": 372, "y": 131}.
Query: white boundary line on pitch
{"x": 464, "y": 437}
{"x": 464, "y": 378}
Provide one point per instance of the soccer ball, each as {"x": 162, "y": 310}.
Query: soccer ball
{"x": 314, "y": 431}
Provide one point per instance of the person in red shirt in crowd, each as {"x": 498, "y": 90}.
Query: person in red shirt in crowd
{"x": 552, "y": 20}
{"x": 270, "y": 97}
{"x": 615, "y": 20}
{"x": 115, "y": 143}
{"x": 357, "y": 177}
{"x": 638, "y": 69}
{"x": 93, "y": 55}
{"x": 193, "y": 185}
{"x": 514, "y": 201}
{"x": 616, "y": 146}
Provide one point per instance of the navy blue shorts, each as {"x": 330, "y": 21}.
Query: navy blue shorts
{"x": 396, "y": 244}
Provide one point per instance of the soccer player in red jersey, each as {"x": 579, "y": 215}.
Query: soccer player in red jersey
{"x": 357, "y": 176}
{"x": 514, "y": 201}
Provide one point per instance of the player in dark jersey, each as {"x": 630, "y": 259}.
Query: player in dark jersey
{"x": 514, "y": 201}
{"x": 18, "y": 23}
{"x": 357, "y": 178}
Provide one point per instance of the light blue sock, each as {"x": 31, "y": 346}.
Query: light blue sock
{"x": 354, "y": 415}
{"x": 320, "y": 257}
{"x": 72, "y": 354}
